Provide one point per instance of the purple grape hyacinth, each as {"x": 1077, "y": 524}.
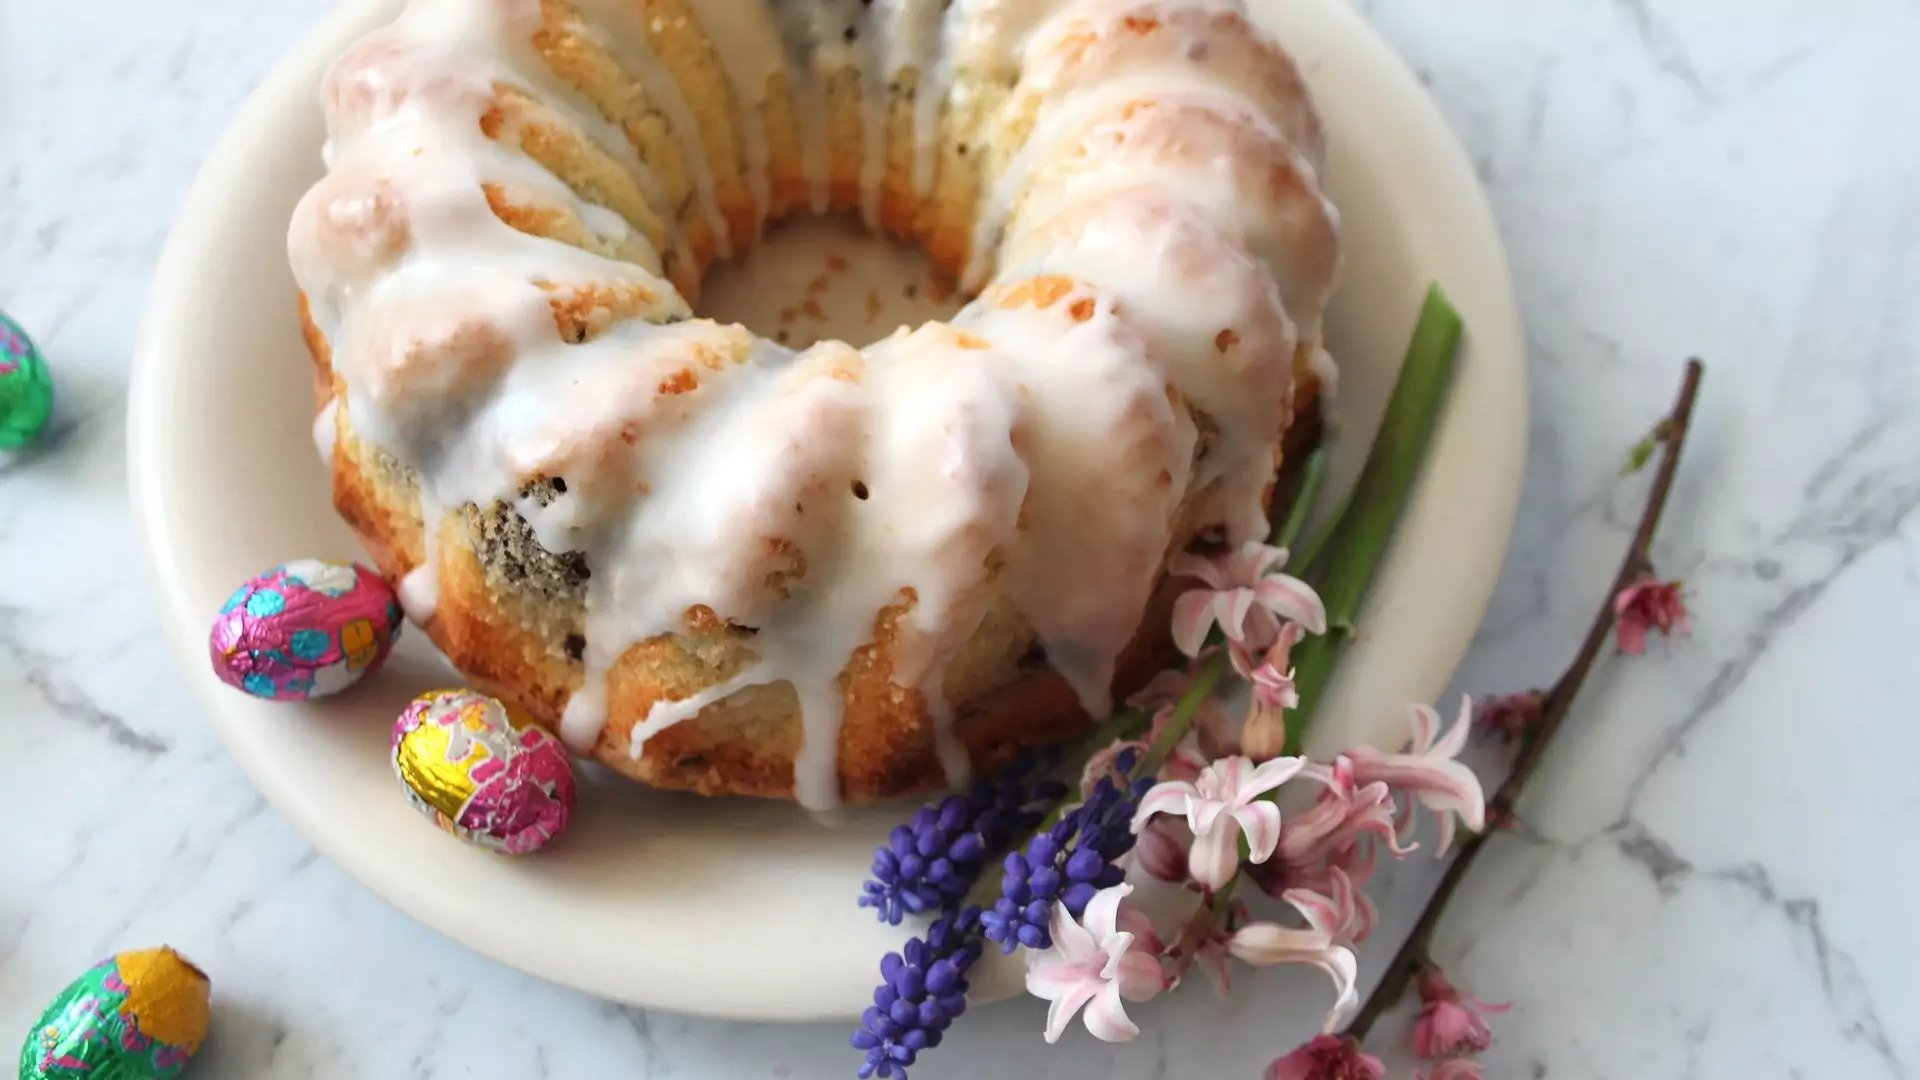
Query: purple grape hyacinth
{"x": 1068, "y": 863}
{"x": 930, "y": 863}
{"x": 925, "y": 989}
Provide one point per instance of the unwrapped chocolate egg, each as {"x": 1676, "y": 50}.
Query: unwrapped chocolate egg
{"x": 305, "y": 629}
{"x": 136, "y": 1016}
{"x": 26, "y": 389}
{"x": 482, "y": 774}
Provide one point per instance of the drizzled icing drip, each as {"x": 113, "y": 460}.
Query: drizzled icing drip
{"x": 627, "y": 40}
{"x": 806, "y": 81}
{"x": 420, "y": 590}
{"x": 747, "y": 43}
{"x": 326, "y": 430}
{"x": 1121, "y": 381}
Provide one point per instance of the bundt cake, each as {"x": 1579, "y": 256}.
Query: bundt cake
{"x": 722, "y": 565}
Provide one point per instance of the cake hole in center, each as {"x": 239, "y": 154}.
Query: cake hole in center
{"x": 827, "y": 277}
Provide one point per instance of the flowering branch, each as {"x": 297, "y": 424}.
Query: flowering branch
{"x": 1411, "y": 958}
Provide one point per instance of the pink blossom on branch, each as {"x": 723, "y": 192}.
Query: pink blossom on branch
{"x": 1094, "y": 963}
{"x": 1426, "y": 770}
{"x": 1450, "y": 1023}
{"x": 1220, "y": 804}
{"x": 1246, "y": 594}
{"x": 1510, "y": 717}
{"x": 1649, "y": 604}
{"x": 1327, "y": 1057}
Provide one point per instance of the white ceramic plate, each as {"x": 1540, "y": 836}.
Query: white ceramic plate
{"x": 733, "y": 907}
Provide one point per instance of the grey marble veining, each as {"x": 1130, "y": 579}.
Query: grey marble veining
{"x": 1711, "y": 879}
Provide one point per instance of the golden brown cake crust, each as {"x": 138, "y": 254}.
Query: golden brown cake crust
{"x": 886, "y": 742}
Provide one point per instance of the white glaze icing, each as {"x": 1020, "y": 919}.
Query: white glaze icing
{"x": 621, "y": 33}
{"x": 326, "y": 430}
{"x": 806, "y": 82}
{"x": 916, "y": 41}
{"x": 875, "y": 93}
{"x": 419, "y": 590}
{"x": 746, "y": 42}
{"x": 1042, "y": 446}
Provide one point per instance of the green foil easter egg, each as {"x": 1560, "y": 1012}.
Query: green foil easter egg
{"x": 135, "y": 1016}
{"x": 26, "y": 389}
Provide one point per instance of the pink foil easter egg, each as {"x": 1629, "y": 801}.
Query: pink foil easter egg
{"x": 305, "y": 629}
{"x": 467, "y": 765}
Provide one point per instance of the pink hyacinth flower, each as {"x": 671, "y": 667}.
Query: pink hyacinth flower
{"x": 1450, "y": 1023}
{"x": 1327, "y": 1057}
{"x": 1209, "y": 736}
{"x": 1340, "y": 817}
{"x": 1331, "y": 900}
{"x": 1246, "y": 594}
{"x": 1106, "y": 762}
{"x": 1272, "y": 677}
{"x": 1326, "y": 941}
{"x": 1263, "y": 735}
{"x": 1335, "y": 884}
{"x": 1094, "y": 964}
{"x": 1649, "y": 604}
{"x": 1427, "y": 770}
{"x": 1219, "y": 805}
{"x": 1160, "y": 853}
{"x": 1163, "y": 691}
{"x": 1267, "y": 944}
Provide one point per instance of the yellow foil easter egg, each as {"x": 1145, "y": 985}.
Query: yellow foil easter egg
{"x": 480, "y": 774}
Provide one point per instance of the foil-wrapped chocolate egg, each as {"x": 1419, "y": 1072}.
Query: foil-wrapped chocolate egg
{"x": 136, "y": 1016}
{"x": 482, "y": 774}
{"x": 26, "y": 389}
{"x": 305, "y": 629}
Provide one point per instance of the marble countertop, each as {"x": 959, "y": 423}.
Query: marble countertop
{"x": 1696, "y": 890}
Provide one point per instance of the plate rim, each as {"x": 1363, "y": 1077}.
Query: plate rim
{"x": 195, "y": 231}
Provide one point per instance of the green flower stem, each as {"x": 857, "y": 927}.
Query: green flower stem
{"x": 1359, "y": 537}
{"x": 1312, "y": 475}
{"x": 1183, "y": 713}
{"x": 1303, "y": 560}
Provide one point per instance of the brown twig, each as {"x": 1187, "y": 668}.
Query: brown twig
{"x": 1553, "y": 712}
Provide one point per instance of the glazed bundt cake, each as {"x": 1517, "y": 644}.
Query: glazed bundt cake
{"x": 722, "y": 565}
